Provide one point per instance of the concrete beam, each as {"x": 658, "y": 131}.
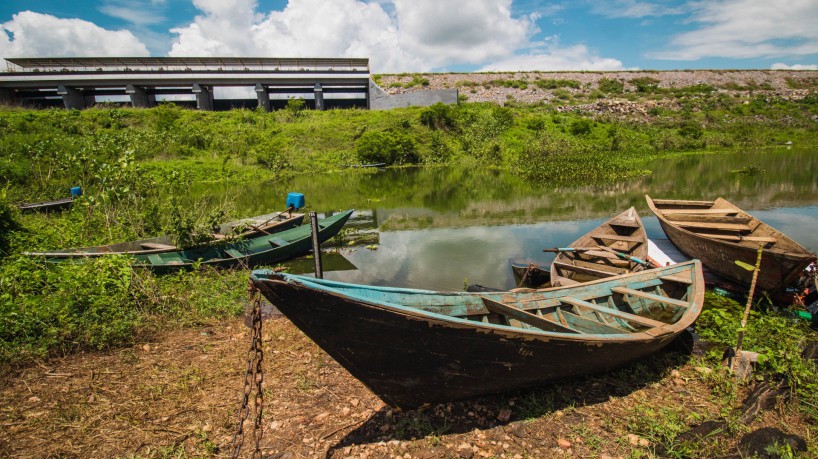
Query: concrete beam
{"x": 204, "y": 97}
{"x": 319, "y": 97}
{"x": 8, "y": 96}
{"x": 140, "y": 97}
{"x": 263, "y": 95}
{"x": 73, "y": 98}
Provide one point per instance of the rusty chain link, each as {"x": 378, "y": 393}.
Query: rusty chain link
{"x": 253, "y": 376}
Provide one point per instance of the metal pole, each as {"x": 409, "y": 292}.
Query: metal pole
{"x": 316, "y": 246}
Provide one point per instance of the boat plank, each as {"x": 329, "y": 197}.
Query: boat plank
{"x": 714, "y": 226}
{"x": 613, "y": 312}
{"x": 699, "y": 211}
{"x": 524, "y": 317}
{"x": 738, "y": 238}
{"x": 616, "y": 237}
{"x": 651, "y": 296}
{"x": 583, "y": 270}
{"x": 674, "y": 278}
{"x": 710, "y": 219}
{"x": 681, "y": 202}
{"x": 154, "y": 245}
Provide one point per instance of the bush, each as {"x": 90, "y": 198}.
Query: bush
{"x": 580, "y": 127}
{"x": 438, "y": 116}
{"x": 691, "y": 130}
{"x": 645, "y": 84}
{"x": 386, "y": 147}
{"x": 611, "y": 86}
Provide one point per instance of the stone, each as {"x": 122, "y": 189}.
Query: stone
{"x": 563, "y": 443}
{"x": 504, "y": 415}
{"x": 636, "y": 440}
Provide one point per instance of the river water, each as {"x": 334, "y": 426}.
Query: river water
{"x": 443, "y": 228}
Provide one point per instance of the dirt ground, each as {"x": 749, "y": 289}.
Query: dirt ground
{"x": 178, "y": 397}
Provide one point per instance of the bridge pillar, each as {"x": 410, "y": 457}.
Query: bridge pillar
{"x": 204, "y": 97}
{"x": 140, "y": 97}
{"x": 319, "y": 97}
{"x": 263, "y": 95}
{"x": 73, "y": 98}
{"x": 7, "y": 96}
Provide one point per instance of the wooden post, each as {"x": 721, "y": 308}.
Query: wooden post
{"x": 316, "y": 246}
{"x": 749, "y": 305}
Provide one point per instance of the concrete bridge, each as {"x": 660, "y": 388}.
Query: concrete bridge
{"x": 75, "y": 82}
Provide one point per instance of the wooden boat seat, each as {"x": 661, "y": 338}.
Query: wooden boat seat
{"x": 616, "y": 237}
{"x": 156, "y": 246}
{"x": 710, "y": 219}
{"x": 651, "y": 297}
{"x": 155, "y": 259}
{"x": 647, "y": 322}
{"x": 278, "y": 242}
{"x": 233, "y": 253}
{"x": 583, "y": 270}
{"x": 624, "y": 223}
{"x": 679, "y": 202}
{"x": 737, "y": 227}
{"x": 740, "y": 238}
{"x": 675, "y": 278}
{"x": 168, "y": 259}
{"x": 668, "y": 212}
{"x": 525, "y": 317}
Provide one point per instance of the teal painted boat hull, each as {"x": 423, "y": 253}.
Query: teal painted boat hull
{"x": 412, "y": 347}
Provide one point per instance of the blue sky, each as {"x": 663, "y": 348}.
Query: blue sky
{"x": 429, "y": 35}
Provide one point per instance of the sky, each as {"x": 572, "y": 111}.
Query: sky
{"x": 429, "y": 35}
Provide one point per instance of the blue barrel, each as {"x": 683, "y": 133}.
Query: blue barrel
{"x": 76, "y": 191}
{"x": 295, "y": 200}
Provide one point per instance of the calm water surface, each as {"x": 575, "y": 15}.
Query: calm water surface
{"x": 444, "y": 228}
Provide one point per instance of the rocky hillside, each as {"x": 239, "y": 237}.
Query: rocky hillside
{"x": 564, "y": 87}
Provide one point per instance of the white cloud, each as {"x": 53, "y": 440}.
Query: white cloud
{"x": 748, "y": 29}
{"x": 782, "y": 66}
{"x": 632, "y": 9}
{"x": 416, "y": 36}
{"x": 555, "y": 57}
{"x": 141, "y": 13}
{"x": 31, "y": 34}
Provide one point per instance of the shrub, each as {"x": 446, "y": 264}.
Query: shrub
{"x": 580, "y": 127}
{"x": 645, "y": 84}
{"x": 438, "y": 116}
{"x": 295, "y": 108}
{"x": 386, "y": 147}
{"x": 691, "y": 130}
{"x": 611, "y": 86}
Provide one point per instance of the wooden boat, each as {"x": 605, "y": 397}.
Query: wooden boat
{"x": 47, "y": 206}
{"x": 271, "y": 248}
{"x": 244, "y": 229}
{"x": 412, "y": 347}
{"x": 719, "y": 234}
{"x": 528, "y": 274}
{"x": 610, "y": 249}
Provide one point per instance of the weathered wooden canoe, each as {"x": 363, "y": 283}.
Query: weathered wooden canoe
{"x": 265, "y": 249}
{"x": 411, "y": 346}
{"x": 719, "y": 234}
{"x": 245, "y": 228}
{"x": 47, "y": 206}
{"x": 528, "y": 274}
{"x": 603, "y": 252}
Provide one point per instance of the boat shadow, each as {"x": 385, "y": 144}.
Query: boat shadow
{"x": 492, "y": 411}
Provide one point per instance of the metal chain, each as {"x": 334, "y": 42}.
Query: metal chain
{"x": 253, "y": 376}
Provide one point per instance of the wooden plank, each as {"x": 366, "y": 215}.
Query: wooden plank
{"x": 157, "y": 246}
{"x": 715, "y": 226}
{"x": 679, "y": 202}
{"x": 710, "y": 219}
{"x": 613, "y": 312}
{"x": 586, "y": 325}
{"x": 739, "y": 238}
{"x": 155, "y": 259}
{"x": 699, "y": 211}
{"x": 233, "y": 253}
{"x": 676, "y": 278}
{"x": 583, "y": 270}
{"x": 616, "y": 237}
{"x": 278, "y": 242}
{"x": 651, "y": 296}
{"x": 524, "y": 317}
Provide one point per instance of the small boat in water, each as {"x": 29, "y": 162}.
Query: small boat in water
{"x": 412, "y": 347}
{"x": 271, "y": 248}
{"x": 47, "y": 206}
{"x": 720, "y": 234}
{"x": 241, "y": 229}
{"x": 528, "y": 274}
{"x": 618, "y": 246}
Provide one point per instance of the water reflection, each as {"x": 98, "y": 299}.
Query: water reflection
{"x": 443, "y": 227}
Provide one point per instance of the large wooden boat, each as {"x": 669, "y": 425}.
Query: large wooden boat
{"x": 412, "y": 347}
{"x": 719, "y": 234}
{"x": 618, "y": 246}
{"x": 272, "y": 248}
{"x": 241, "y": 229}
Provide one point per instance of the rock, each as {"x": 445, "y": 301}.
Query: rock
{"x": 34, "y": 399}
{"x": 345, "y": 411}
{"x": 504, "y": 415}
{"x": 146, "y": 347}
{"x": 704, "y": 370}
{"x": 636, "y": 440}
{"x": 465, "y": 451}
{"x": 563, "y": 443}
{"x": 354, "y": 402}
{"x": 760, "y": 443}
{"x": 320, "y": 417}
